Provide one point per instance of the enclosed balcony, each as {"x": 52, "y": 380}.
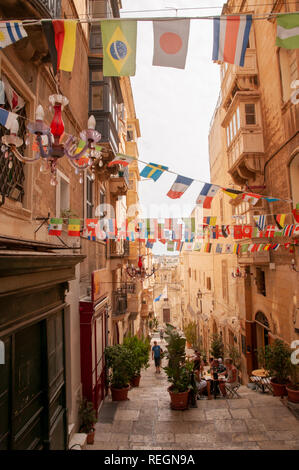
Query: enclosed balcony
{"x": 242, "y": 78}
{"x": 119, "y": 303}
{"x": 118, "y": 248}
{"x": 119, "y": 184}
{"x": 244, "y": 137}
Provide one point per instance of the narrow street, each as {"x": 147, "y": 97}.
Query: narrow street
{"x": 145, "y": 421}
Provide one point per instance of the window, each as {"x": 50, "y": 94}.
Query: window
{"x": 288, "y": 71}
{"x": 97, "y": 97}
{"x": 62, "y": 194}
{"x": 238, "y": 117}
{"x": 89, "y": 196}
{"x": 12, "y": 180}
{"x": 96, "y": 89}
{"x": 209, "y": 283}
{"x": 130, "y": 136}
{"x": 250, "y": 114}
{"x": 189, "y": 271}
{"x": 260, "y": 281}
{"x": 194, "y": 274}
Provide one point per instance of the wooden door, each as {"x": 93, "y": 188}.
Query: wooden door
{"x": 166, "y": 315}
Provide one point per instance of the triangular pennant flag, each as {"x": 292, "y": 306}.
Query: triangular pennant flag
{"x": 233, "y": 193}
{"x": 16, "y": 102}
{"x": 260, "y": 221}
{"x": 119, "y": 47}
{"x": 171, "y": 42}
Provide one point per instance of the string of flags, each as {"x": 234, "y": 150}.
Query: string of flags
{"x": 171, "y": 37}
{"x": 170, "y": 230}
{"x": 182, "y": 183}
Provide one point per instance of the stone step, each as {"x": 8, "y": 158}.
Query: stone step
{"x": 78, "y": 441}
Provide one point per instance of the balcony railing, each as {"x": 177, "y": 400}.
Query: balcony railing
{"x": 47, "y": 8}
{"x": 120, "y": 302}
{"x": 118, "y": 248}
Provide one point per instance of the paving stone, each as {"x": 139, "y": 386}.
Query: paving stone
{"x": 102, "y": 446}
{"x": 283, "y": 424}
{"x": 270, "y": 412}
{"x": 212, "y": 404}
{"x": 232, "y": 425}
{"x": 194, "y": 414}
{"x": 143, "y": 427}
{"x": 122, "y": 426}
{"x": 282, "y": 435}
{"x": 218, "y": 414}
{"x": 255, "y": 425}
{"x": 103, "y": 427}
{"x": 249, "y": 437}
{"x": 241, "y": 403}
{"x": 199, "y": 427}
{"x": 119, "y": 437}
{"x": 240, "y": 414}
{"x": 274, "y": 445}
{"x": 171, "y": 426}
{"x": 102, "y": 436}
{"x": 184, "y": 437}
{"x": 165, "y": 437}
{"x": 127, "y": 415}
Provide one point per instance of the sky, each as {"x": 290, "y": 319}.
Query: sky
{"x": 174, "y": 106}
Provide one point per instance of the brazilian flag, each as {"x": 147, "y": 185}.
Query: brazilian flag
{"x": 119, "y": 47}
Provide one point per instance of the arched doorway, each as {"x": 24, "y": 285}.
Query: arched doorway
{"x": 261, "y": 331}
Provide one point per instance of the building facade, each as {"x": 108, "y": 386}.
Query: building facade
{"x": 254, "y": 137}
{"x": 63, "y": 298}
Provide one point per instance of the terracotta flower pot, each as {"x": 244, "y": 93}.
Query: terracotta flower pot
{"x": 119, "y": 394}
{"x": 135, "y": 381}
{"x": 279, "y": 390}
{"x": 90, "y": 437}
{"x": 293, "y": 395}
{"x": 179, "y": 401}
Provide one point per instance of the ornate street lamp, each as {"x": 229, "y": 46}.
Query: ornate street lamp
{"x": 139, "y": 272}
{"x": 49, "y": 145}
{"x": 237, "y": 273}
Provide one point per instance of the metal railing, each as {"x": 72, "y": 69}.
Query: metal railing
{"x": 120, "y": 302}
{"x": 50, "y": 8}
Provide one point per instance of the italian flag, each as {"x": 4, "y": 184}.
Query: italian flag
{"x": 288, "y": 31}
{"x": 55, "y": 227}
{"x": 74, "y": 228}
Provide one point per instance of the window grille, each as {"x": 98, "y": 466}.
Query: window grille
{"x": 12, "y": 180}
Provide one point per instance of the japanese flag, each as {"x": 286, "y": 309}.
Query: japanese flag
{"x": 171, "y": 43}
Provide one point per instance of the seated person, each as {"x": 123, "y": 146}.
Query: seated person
{"x": 221, "y": 366}
{"x": 198, "y": 362}
{"x": 232, "y": 377}
{"x": 202, "y": 385}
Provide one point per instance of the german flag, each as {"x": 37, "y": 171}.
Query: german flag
{"x": 233, "y": 193}
{"x": 74, "y": 228}
{"x": 61, "y": 39}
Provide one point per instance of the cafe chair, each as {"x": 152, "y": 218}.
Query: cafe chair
{"x": 232, "y": 392}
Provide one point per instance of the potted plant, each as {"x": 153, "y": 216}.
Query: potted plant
{"x": 178, "y": 371}
{"x": 217, "y": 346}
{"x": 140, "y": 351}
{"x": 293, "y": 388}
{"x": 191, "y": 334}
{"x": 278, "y": 363}
{"x": 119, "y": 361}
{"x": 87, "y": 416}
{"x": 234, "y": 354}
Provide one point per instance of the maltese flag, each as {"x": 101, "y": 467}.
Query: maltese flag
{"x": 171, "y": 43}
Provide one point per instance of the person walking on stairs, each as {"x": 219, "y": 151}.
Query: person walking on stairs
{"x": 156, "y": 355}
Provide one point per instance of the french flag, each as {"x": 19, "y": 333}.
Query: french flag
{"x": 231, "y": 35}
{"x": 179, "y": 187}
{"x": 7, "y": 118}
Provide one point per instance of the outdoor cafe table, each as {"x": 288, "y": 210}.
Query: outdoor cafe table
{"x": 211, "y": 379}
{"x": 262, "y": 374}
